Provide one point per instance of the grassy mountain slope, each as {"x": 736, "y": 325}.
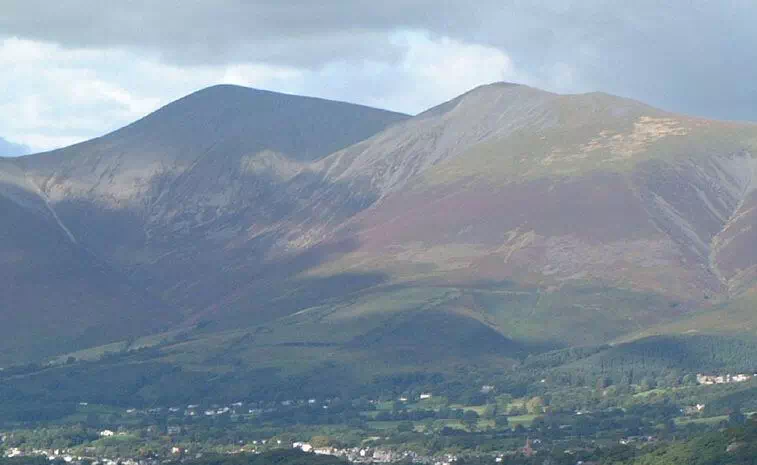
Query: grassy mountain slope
{"x": 736, "y": 316}
{"x": 505, "y": 222}
{"x": 184, "y": 205}
{"x": 57, "y": 297}
{"x": 558, "y": 193}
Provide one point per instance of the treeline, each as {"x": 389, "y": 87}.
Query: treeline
{"x": 557, "y": 358}
{"x": 35, "y": 393}
{"x": 663, "y": 360}
{"x": 734, "y": 446}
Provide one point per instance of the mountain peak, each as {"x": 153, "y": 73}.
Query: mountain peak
{"x": 499, "y": 96}
{"x": 499, "y": 85}
{"x": 238, "y": 94}
{"x": 237, "y": 121}
{"x": 488, "y": 112}
{"x": 231, "y": 92}
{"x": 487, "y": 96}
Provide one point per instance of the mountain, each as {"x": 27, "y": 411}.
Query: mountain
{"x": 324, "y": 241}
{"x": 578, "y": 218}
{"x": 174, "y": 202}
{"x": 9, "y": 149}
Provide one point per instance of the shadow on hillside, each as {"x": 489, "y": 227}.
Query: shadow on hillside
{"x": 55, "y": 296}
{"x": 231, "y": 266}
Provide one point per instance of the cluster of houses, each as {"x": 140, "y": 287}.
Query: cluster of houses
{"x": 237, "y": 408}
{"x": 355, "y": 455}
{"x": 191, "y": 410}
{"x": 254, "y": 408}
{"x": 380, "y": 455}
{"x": 68, "y": 457}
{"x": 637, "y": 439}
{"x": 693, "y": 409}
{"x": 423, "y": 396}
{"x": 375, "y": 455}
{"x": 723, "y": 379}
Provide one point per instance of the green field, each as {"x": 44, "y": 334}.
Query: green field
{"x": 710, "y": 421}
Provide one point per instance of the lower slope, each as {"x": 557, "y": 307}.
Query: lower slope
{"x": 55, "y": 297}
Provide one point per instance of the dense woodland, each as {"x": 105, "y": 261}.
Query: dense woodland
{"x": 136, "y": 378}
{"x": 133, "y": 378}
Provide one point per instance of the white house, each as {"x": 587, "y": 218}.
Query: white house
{"x": 303, "y": 446}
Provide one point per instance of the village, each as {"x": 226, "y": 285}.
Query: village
{"x": 415, "y": 426}
{"x": 174, "y": 446}
{"x": 356, "y": 455}
{"x": 724, "y": 379}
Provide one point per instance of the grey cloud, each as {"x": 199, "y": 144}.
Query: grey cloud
{"x": 211, "y": 32}
{"x": 695, "y": 56}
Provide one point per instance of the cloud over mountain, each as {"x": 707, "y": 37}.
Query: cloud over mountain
{"x": 376, "y": 53}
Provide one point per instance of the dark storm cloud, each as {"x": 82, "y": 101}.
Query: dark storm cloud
{"x": 696, "y": 56}
{"x": 292, "y": 32}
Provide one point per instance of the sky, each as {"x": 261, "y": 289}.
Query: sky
{"x": 71, "y": 70}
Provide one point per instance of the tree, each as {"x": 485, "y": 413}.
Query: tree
{"x": 501, "y": 421}
{"x": 736, "y": 418}
{"x": 470, "y": 418}
{"x": 535, "y": 405}
{"x": 92, "y": 420}
{"x": 405, "y": 427}
{"x": 647, "y": 384}
{"x": 320, "y": 441}
{"x": 490, "y": 411}
{"x": 689, "y": 380}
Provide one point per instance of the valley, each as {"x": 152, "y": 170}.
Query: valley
{"x": 552, "y": 267}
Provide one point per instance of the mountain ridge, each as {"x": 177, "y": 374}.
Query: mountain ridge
{"x": 528, "y": 219}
